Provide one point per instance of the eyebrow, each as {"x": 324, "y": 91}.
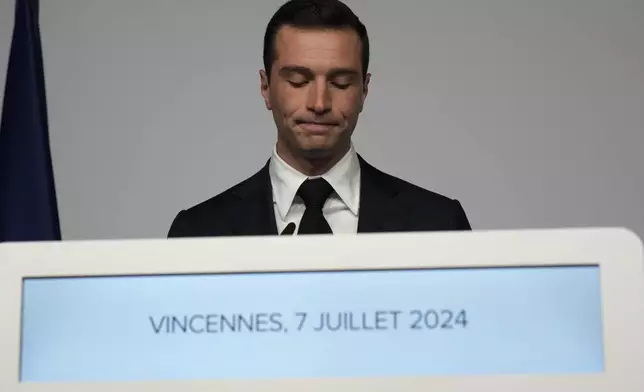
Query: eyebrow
{"x": 333, "y": 72}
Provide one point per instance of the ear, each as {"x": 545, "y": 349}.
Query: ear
{"x": 265, "y": 89}
{"x": 365, "y": 90}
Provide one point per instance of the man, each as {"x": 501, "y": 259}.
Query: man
{"x": 315, "y": 82}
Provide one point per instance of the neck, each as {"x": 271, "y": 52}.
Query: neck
{"x": 310, "y": 166}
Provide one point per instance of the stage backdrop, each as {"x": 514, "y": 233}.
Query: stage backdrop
{"x": 531, "y": 112}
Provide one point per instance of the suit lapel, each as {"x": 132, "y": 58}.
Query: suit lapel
{"x": 255, "y": 214}
{"x": 380, "y": 211}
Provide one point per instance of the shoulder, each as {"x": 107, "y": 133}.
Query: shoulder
{"x": 402, "y": 187}
{"x": 412, "y": 191}
{"x": 211, "y": 216}
{"x": 423, "y": 204}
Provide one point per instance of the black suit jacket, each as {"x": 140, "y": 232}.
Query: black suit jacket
{"x": 387, "y": 204}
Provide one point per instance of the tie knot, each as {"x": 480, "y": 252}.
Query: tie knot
{"x": 314, "y": 192}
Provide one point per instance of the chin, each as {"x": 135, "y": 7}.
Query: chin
{"x": 317, "y": 152}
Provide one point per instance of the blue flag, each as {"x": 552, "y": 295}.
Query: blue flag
{"x": 28, "y": 207}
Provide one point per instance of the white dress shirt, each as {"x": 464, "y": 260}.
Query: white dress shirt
{"x": 341, "y": 208}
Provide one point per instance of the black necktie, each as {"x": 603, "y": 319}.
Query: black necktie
{"x": 314, "y": 193}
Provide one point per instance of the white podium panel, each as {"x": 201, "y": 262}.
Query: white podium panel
{"x": 554, "y": 310}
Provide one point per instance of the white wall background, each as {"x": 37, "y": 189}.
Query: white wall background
{"x": 531, "y": 112}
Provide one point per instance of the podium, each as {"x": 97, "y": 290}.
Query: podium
{"x": 525, "y": 310}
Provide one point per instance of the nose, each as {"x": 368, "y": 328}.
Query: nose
{"x": 319, "y": 100}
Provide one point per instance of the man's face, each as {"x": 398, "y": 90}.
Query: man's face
{"x": 316, "y": 90}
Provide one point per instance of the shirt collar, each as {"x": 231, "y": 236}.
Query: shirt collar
{"x": 344, "y": 177}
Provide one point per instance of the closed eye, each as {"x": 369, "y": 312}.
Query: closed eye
{"x": 297, "y": 84}
{"x": 342, "y": 86}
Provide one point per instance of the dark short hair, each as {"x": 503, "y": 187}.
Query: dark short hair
{"x": 313, "y": 14}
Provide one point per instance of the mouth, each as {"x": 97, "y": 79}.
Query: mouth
{"x": 315, "y": 126}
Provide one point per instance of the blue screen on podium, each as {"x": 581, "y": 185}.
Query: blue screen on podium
{"x": 369, "y": 323}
